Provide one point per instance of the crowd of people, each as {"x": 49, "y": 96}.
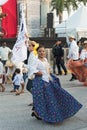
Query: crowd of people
{"x": 51, "y": 103}
{"x": 8, "y": 70}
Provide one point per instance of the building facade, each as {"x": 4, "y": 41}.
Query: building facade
{"x": 36, "y": 15}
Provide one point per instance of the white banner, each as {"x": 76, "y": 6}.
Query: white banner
{"x": 20, "y": 48}
{"x": 3, "y": 2}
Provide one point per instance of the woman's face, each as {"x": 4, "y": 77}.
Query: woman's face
{"x": 41, "y": 52}
{"x": 85, "y": 45}
{"x": 30, "y": 47}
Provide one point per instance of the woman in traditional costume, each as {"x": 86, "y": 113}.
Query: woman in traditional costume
{"x": 51, "y": 102}
{"x": 79, "y": 67}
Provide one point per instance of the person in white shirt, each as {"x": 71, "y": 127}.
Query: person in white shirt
{"x": 17, "y": 81}
{"x": 79, "y": 67}
{"x": 83, "y": 55}
{"x": 30, "y": 66}
{"x": 1, "y": 76}
{"x": 4, "y": 51}
{"x": 73, "y": 52}
{"x": 83, "y": 68}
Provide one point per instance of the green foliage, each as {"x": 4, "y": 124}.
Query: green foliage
{"x": 60, "y": 5}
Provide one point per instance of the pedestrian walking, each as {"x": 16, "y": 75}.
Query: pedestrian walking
{"x": 58, "y": 53}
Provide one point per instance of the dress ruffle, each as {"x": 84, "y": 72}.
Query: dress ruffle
{"x": 53, "y": 103}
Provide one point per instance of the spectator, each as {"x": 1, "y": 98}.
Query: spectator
{"x": 58, "y": 53}
{"x": 4, "y": 51}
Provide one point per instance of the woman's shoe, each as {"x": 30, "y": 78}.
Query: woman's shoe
{"x": 33, "y": 108}
{"x": 33, "y": 114}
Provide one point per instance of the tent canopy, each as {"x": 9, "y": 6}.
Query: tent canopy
{"x": 77, "y": 22}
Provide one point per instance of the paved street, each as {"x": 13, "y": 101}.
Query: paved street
{"x": 15, "y": 114}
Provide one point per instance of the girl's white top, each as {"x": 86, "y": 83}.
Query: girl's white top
{"x": 44, "y": 67}
{"x": 83, "y": 54}
{"x": 73, "y": 51}
{"x": 32, "y": 60}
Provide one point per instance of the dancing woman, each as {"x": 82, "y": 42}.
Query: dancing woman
{"x": 51, "y": 102}
{"x": 79, "y": 67}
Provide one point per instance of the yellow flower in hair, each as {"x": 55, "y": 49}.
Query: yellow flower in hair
{"x": 35, "y": 48}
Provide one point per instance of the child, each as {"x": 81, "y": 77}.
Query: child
{"x": 17, "y": 81}
{"x": 1, "y": 76}
{"x": 10, "y": 68}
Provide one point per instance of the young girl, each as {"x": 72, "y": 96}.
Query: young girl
{"x": 30, "y": 65}
{"x": 10, "y": 68}
{"x": 51, "y": 102}
{"x": 17, "y": 81}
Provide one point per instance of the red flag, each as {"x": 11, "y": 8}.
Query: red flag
{"x": 9, "y": 23}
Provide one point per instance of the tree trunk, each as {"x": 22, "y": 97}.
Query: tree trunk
{"x": 60, "y": 17}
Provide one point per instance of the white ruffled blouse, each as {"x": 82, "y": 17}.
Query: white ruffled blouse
{"x": 44, "y": 67}
{"x": 83, "y": 54}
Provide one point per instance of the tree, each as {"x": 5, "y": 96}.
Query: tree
{"x": 60, "y": 5}
{"x": 83, "y": 1}
{"x": 70, "y": 3}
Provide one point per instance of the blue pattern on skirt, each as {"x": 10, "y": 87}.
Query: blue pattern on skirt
{"x": 51, "y": 101}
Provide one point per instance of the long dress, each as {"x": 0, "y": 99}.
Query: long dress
{"x": 79, "y": 67}
{"x": 52, "y": 103}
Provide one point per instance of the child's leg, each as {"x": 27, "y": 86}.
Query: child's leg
{"x": 22, "y": 85}
{"x": 3, "y": 88}
{"x": 17, "y": 92}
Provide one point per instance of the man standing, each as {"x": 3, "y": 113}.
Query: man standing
{"x": 73, "y": 52}
{"x": 4, "y": 51}
{"x": 58, "y": 53}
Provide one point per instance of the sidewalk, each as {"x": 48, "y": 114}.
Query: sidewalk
{"x": 15, "y": 114}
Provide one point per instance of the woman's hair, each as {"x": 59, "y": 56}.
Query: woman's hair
{"x": 40, "y": 46}
{"x": 32, "y": 43}
{"x": 17, "y": 70}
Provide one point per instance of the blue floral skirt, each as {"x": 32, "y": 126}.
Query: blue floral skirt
{"x": 51, "y": 101}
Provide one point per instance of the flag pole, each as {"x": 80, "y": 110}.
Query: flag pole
{"x": 20, "y": 47}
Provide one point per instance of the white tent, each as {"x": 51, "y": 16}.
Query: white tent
{"x": 75, "y": 25}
